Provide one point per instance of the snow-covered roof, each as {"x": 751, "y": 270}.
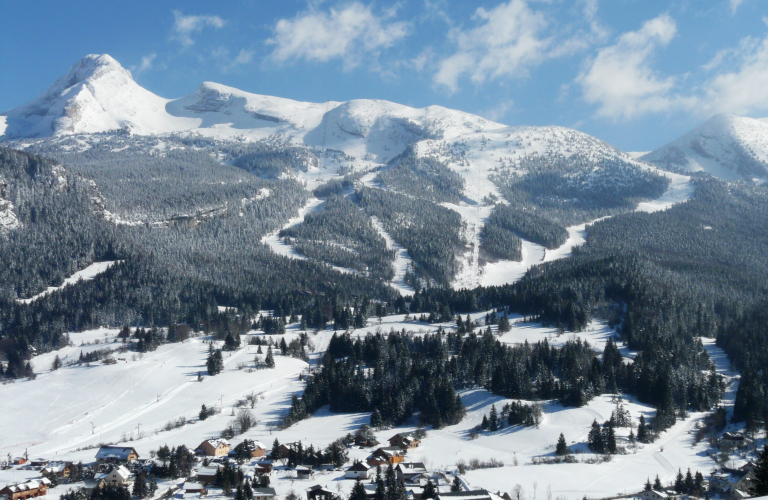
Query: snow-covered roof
{"x": 216, "y": 442}
{"x": 193, "y": 486}
{"x": 264, "y": 491}
{"x": 32, "y": 484}
{"x": 359, "y": 466}
{"x": 466, "y": 495}
{"x": 116, "y": 452}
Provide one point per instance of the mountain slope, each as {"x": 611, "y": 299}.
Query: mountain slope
{"x": 726, "y": 146}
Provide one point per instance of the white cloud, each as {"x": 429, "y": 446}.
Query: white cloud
{"x": 735, "y": 4}
{"x": 185, "y": 26}
{"x": 743, "y": 89}
{"x": 507, "y": 42}
{"x": 620, "y": 80}
{"x": 146, "y": 63}
{"x": 346, "y": 33}
{"x": 226, "y": 62}
{"x": 499, "y": 110}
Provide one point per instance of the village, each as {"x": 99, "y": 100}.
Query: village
{"x": 324, "y": 457}
{"x": 252, "y": 470}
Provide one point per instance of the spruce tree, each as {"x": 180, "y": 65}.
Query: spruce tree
{"x": 642, "y": 435}
{"x": 140, "y": 485}
{"x": 648, "y": 486}
{"x": 484, "y": 423}
{"x": 609, "y": 439}
{"x": 275, "y": 449}
{"x": 376, "y": 420}
{"x": 761, "y": 473}
{"x": 203, "y": 413}
{"x": 358, "y": 491}
{"x": 562, "y": 447}
{"x": 270, "y": 359}
{"x": 657, "y": 484}
{"x": 595, "y": 438}
{"x": 429, "y": 491}
{"x": 456, "y": 484}
{"x": 679, "y": 482}
{"x": 493, "y": 421}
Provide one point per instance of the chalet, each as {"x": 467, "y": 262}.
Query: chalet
{"x": 58, "y": 469}
{"x": 655, "y": 495}
{"x": 733, "y": 440}
{"x": 303, "y": 472}
{"x": 284, "y": 450}
{"x": 207, "y": 474}
{"x": 366, "y": 441}
{"x": 408, "y": 471}
{"x": 38, "y": 462}
{"x": 96, "y": 481}
{"x": 258, "y": 450}
{"x": 732, "y": 483}
{"x": 214, "y": 448}
{"x": 404, "y": 440}
{"x": 116, "y": 454}
{"x": 386, "y": 455}
{"x": 358, "y": 470}
{"x": 119, "y": 476}
{"x": 264, "y": 494}
{"x": 467, "y": 495}
{"x": 317, "y": 492}
{"x": 28, "y": 489}
{"x": 264, "y": 467}
{"x": 190, "y": 487}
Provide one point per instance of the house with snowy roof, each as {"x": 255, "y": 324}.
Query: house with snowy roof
{"x": 116, "y": 454}
{"x": 264, "y": 494}
{"x": 404, "y": 440}
{"x": 358, "y": 470}
{"x": 468, "y": 495}
{"x": 214, "y": 448}
{"x": 27, "y": 489}
{"x": 119, "y": 476}
{"x": 410, "y": 472}
{"x": 386, "y": 455}
{"x": 58, "y": 469}
{"x": 318, "y": 492}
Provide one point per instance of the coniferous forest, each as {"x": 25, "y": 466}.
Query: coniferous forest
{"x": 192, "y": 243}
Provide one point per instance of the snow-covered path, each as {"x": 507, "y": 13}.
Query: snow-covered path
{"x": 273, "y": 239}
{"x": 402, "y": 260}
{"x": 508, "y": 271}
{"x": 88, "y": 273}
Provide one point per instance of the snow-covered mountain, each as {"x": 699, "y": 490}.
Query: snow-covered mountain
{"x": 96, "y": 95}
{"x": 726, "y": 146}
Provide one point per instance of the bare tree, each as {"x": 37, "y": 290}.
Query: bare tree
{"x": 244, "y": 420}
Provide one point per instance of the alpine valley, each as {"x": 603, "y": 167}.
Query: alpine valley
{"x": 340, "y": 273}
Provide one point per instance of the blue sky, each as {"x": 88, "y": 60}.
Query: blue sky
{"x": 636, "y": 73}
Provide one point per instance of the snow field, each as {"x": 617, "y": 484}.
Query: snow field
{"x": 88, "y": 273}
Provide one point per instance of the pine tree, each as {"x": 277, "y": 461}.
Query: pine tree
{"x": 381, "y": 489}
{"x": 275, "y": 449}
{"x": 562, "y": 447}
{"x": 484, "y": 423}
{"x": 429, "y": 491}
{"x": 56, "y": 363}
{"x": 358, "y": 491}
{"x": 595, "y": 438}
{"x": 140, "y": 485}
{"x": 648, "y": 486}
{"x": 247, "y": 490}
{"x": 679, "y": 482}
{"x": 376, "y": 420}
{"x": 642, "y": 435}
{"x": 609, "y": 439}
{"x": 761, "y": 473}
{"x": 689, "y": 483}
{"x": 270, "y": 359}
{"x": 456, "y": 484}
{"x": 152, "y": 485}
{"x": 657, "y": 484}
{"x": 203, "y": 413}
{"x": 283, "y": 346}
{"x": 493, "y": 421}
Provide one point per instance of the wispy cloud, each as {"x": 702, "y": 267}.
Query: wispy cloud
{"x": 735, "y": 5}
{"x": 620, "y": 79}
{"x": 146, "y": 63}
{"x": 741, "y": 88}
{"x": 348, "y": 33}
{"x": 507, "y": 41}
{"x": 511, "y": 39}
{"x": 186, "y": 26}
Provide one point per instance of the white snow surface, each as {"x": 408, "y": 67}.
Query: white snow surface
{"x": 719, "y": 146}
{"x": 88, "y": 273}
{"x": 62, "y": 414}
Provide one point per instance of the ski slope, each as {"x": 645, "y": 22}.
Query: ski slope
{"x": 88, "y": 273}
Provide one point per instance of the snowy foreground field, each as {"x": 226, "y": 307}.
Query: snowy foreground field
{"x": 64, "y": 414}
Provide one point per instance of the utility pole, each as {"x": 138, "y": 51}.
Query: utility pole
{"x": 93, "y": 428}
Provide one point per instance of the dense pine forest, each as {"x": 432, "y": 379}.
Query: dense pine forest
{"x": 662, "y": 279}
